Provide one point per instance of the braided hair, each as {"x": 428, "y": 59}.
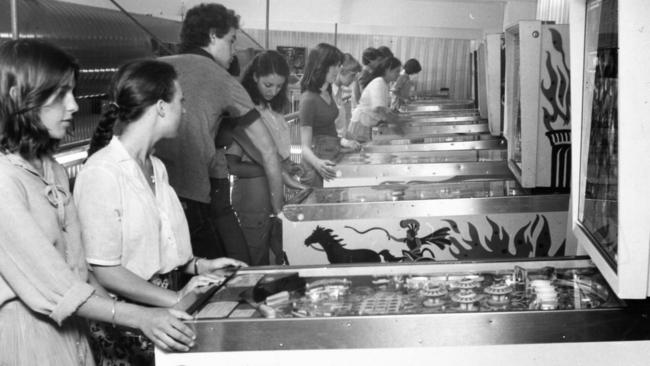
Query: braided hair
{"x": 135, "y": 87}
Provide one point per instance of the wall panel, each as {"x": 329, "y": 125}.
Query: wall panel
{"x": 555, "y": 10}
{"x": 445, "y": 62}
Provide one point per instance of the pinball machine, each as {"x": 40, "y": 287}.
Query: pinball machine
{"x": 537, "y": 113}
{"x": 571, "y": 310}
{"x": 432, "y": 146}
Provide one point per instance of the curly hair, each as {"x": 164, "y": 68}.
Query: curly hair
{"x": 319, "y": 61}
{"x": 412, "y": 66}
{"x": 263, "y": 64}
{"x": 135, "y": 87}
{"x": 205, "y": 18}
{"x": 31, "y": 72}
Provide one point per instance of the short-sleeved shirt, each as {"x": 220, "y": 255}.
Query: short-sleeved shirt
{"x": 342, "y": 119}
{"x": 123, "y": 222}
{"x": 316, "y": 113}
{"x": 210, "y": 92}
{"x": 374, "y": 95}
{"x": 402, "y": 87}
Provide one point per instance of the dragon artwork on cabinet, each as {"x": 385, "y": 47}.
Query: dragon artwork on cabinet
{"x": 533, "y": 239}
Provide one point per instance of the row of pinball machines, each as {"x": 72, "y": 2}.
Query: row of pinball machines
{"x": 472, "y": 294}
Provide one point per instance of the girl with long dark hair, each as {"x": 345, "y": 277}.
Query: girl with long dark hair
{"x": 318, "y": 112}
{"x": 265, "y": 79}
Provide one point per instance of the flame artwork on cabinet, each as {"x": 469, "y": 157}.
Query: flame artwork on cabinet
{"x": 557, "y": 117}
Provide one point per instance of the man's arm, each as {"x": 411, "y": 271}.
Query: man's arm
{"x": 256, "y": 141}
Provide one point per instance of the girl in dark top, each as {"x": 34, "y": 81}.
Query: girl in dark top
{"x": 318, "y": 112}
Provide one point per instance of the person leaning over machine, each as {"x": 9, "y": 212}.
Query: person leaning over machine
{"x": 401, "y": 89}
{"x": 374, "y": 105}
{"x": 318, "y": 111}
{"x": 45, "y": 287}
{"x": 370, "y": 59}
{"x": 265, "y": 79}
{"x": 345, "y": 78}
{"x": 134, "y": 231}
{"x": 198, "y": 169}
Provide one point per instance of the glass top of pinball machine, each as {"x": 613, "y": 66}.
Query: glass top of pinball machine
{"x": 434, "y": 138}
{"x": 424, "y": 157}
{"x": 407, "y": 191}
{"x": 547, "y": 288}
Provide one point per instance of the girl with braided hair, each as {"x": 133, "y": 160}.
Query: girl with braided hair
{"x": 135, "y": 232}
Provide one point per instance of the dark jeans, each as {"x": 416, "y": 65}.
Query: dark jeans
{"x": 225, "y": 221}
{"x": 203, "y": 234}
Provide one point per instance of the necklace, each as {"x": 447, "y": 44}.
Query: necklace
{"x": 147, "y": 170}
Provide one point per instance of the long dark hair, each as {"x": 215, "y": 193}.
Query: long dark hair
{"x": 263, "y": 64}
{"x": 36, "y": 70}
{"x": 135, "y": 87}
{"x": 388, "y": 64}
{"x": 319, "y": 61}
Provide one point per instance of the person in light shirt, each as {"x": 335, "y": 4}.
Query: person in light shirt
{"x": 342, "y": 96}
{"x": 45, "y": 287}
{"x": 135, "y": 234}
{"x": 374, "y": 104}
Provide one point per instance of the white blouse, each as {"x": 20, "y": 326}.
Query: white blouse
{"x": 123, "y": 222}
{"x": 375, "y": 94}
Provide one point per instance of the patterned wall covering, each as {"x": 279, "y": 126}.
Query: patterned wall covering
{"x": 445, "y": 62}
{"x": 555, "y": 10}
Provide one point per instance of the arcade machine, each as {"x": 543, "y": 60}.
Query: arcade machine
{"x": 582, "y": 310}
{"x": 380, "y": 199}
{"x": 410, "y": 204}
{"x": 495, "y": 81}
{"x": 537, "y": 111}
{"x": 435, "y": 146}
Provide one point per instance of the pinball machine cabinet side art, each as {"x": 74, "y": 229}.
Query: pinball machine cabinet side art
{"x": 537, "y": 113}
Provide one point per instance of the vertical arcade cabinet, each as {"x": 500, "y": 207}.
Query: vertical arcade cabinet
{"x": 494, "y": 82}
{"x": 537, "y": 114}
{"x": 611, "y": 219}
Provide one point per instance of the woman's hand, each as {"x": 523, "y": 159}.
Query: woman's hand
{"x": 350, "y": 145}
{"x": 292, "y": 168}
{"x": 210, "y": 265}
{"x": 325, "y": 168}
{"x": 165, "y": 328}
